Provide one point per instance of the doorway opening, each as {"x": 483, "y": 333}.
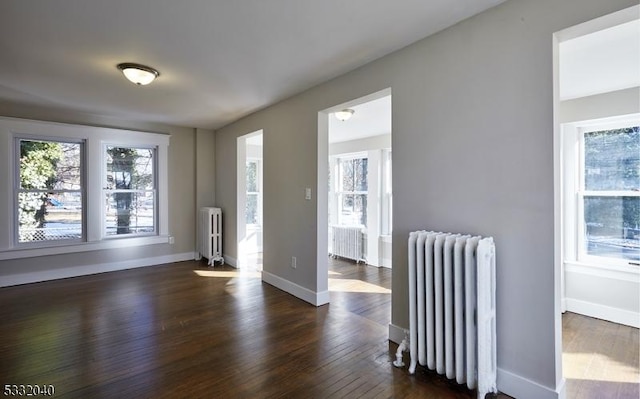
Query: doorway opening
{"x": 360, "y": 186}
{"x": 355, "y": 179}
{"x": 250, "y": 194}
{"x": 597, "y": 202}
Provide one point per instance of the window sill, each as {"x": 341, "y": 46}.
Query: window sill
{"x": 82, "y": 247}
{"x": 617, "y": 272}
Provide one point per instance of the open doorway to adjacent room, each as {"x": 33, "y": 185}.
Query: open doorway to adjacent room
{"x": 355, "y": 155}
{"x": 250, "y": 192}
{"x": 597, "y": 203}
{"x": 360, "y": 186}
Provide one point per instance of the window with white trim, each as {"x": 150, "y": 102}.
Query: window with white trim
{"x": 608, "y": 193}
{"x": 73, "y": 188}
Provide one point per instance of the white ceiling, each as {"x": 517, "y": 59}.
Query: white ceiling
{"x": 219, "y": 60}
{"x": 372, "y": 118}
{"x": 600, "y": 62}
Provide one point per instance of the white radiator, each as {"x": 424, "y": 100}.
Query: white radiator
{"x": 210, "y": 235}
{"x": 347, "y": 242}
{"x": 452, "y": 316}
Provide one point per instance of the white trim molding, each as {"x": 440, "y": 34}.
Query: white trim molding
{"x": 520, "y": 387}
{"x": 76, "y": 271}
{"x": 603, "y": 312}
{"x": 314, "y": 298}
{"x": 83, "y": 247}
{"x": 397, "y": 333}
{"x": 622, "y": 272}
{"x": 230, "y": 260}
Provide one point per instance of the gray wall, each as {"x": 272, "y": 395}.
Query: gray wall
{"x": 182, "y": 194}
{"x": 473, "y": 152}
{"x": 205, "y": 168}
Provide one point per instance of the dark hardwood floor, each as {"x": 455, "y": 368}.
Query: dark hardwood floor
{"x": 186, "y": 330}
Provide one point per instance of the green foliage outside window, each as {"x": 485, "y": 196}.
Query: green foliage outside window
{"x": 38, "y": 167}
{"x": 130, "y": 180}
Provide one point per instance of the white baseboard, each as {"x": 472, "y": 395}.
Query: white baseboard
{"x": 509, "y": 383}
{"x": 46, "y": 275}
{"x": 616, "y": 315}
{"x": 397, "y": 334}
{"x": 231, "y": 261}
{"x": 314, "y": 298}
{"x": 520, "y": 387}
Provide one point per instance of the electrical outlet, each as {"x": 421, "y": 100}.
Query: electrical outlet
{"x": 172, "y": 240}
{"x": 294, "y": 262}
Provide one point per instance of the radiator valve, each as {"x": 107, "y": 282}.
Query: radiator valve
{"x": 401, "y": 348}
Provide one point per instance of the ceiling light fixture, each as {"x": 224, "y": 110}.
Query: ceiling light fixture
{"x": 344, "y": 114}
{"x": 138, "y": 74}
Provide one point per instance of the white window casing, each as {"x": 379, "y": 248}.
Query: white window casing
{"x": 95, "y": 140}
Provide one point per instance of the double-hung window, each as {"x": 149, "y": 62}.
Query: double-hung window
{"x": 254, "y": 192}
{"x": 352, "y": 190}
{"x": 608, "y": 194}
{"x": 50, "y": 191}
{"x": 130, "y": 190}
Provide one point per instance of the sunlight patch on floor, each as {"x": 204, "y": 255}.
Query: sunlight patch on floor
{"x": 349, "y": 285}
{"x": 332, "y": 273}
{"x": 598, "y": 367}
{"x": 228, "y": 273}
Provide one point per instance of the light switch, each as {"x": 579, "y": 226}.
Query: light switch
{"x": 307, "y": 193}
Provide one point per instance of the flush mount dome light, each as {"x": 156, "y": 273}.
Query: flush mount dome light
{"x": 344, "y": 114}
{"x": 138, "y": 74}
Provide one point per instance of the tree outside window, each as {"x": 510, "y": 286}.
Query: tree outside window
{"x": 352, "y": 191}
{"x": 50, "y": 194}
{"x": 130, "y": 192}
